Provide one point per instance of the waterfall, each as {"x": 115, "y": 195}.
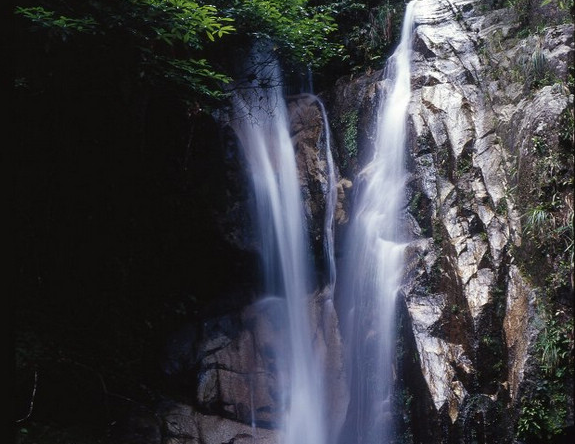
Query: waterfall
{"x": 261, "y": 125}
{"x": 374, "y": 262}
{"x": 330, "y": 202}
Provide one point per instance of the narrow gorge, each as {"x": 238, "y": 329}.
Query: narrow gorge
{"x": 385, "y": 260}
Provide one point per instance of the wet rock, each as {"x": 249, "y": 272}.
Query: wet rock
{"x": 242, "y": 363}
{"x": 183, "y": 424}
{"x": 520, "y": 332}
{"x": 328, "y": 345}
{"x": 309, "y": 134}
{"x": 240, "y": 374}
{"x": 468, "y": 128}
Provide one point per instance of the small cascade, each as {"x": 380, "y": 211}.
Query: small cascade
{"x": 330, "y": 203}
{"x": 374, "y": 260}
{"x": 261, "y": 125}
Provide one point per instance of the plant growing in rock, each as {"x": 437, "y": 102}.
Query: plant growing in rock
{"x": 544, "y": 405}
{"x": 414, "y": 203}
{"x": 367, "y": 30}
{"x": 544, "y": 409}
{"x": 349, "y": 121}
{"x": 548, "y": 217}
{"x": 531, "y": 419}
{"x": 565, "y": 5}
{"x": 555, "y": 346}
{"x": 464, "y": 164}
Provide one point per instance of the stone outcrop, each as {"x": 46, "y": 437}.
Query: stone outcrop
{"x": 481, "y": 95}
{"x": 470, "y": 306}
{"x": 473, "y": 313}
{"x": 310, "y": 144}
{"x": 238, "y": 363}
{"x": 454, "y": 138}
{"x": 184, "y": 425}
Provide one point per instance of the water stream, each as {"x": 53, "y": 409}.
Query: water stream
{"x": 262, "y": 128}
{"x": 374, "y": 259}
{"x": 374, "y": 253}
{"x": 330, "y": 203}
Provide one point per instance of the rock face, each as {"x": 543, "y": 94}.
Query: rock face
{"x": 462, "y": 178}
{"x": 485, "y": 95}
{"x": 232, "y": 363}
{"x": 239, "y": 376}
{"x": 488, "y": 124}
{"x": 473, "y": 312}
{"x": 309, "y": 139}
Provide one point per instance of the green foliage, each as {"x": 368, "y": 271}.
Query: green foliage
{"x": 567, "y": 119}
{"x": 544, "y": 405}
{"x": 415, "y": 202}
{"x": 370, "y": 41}
{"x": 547, "y": 190}
{"x": 536, "y": 71}
{"x": 536, "y": 220}
{"x": 543, "y": 416}
{"x": 171, "y": 20}
{"x": 300, "y": 32}
{"x": 58, "y": 24}
{"x": 487, "y": 5}
{"x": 197, "y": 75}
{"x": 531, "y": 69}
{"x": 544, "y": 409}
{"x": 548, "y": 222}
{"x": 349, "y": 120}
{"x": 538, "y": 63}
{"x": 437, "y": 232}
{"x": 555, "y": 346}
{"x": 523, "y": 9}
{"x": 183, "y": 21}
{"x": 533, "y": 18}
{"x": 168, "y": 37}
{"x": 565, "y": 5}
{"x": 464, "y": 164}
{"x": 178, "y": 41}
{"x": 532, "y": 419}
{"x": 367, "y": 31}
{"x": 502, "y": 207}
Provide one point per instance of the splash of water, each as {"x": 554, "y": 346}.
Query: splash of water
{"x": 263, "y": 131}
{"x": 374, "y": 265}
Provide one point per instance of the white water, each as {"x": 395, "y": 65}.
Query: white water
{"x": 375, "y": 260}
{"x": 262, "y": 128}
{"x": 330, "y": 203}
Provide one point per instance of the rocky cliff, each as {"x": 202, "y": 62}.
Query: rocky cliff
{"x": 491, "y": 129}
{"x": 485, "y": 351}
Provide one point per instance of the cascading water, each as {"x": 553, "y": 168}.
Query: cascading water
{"x": 375, "y": 259}
{"x": 330, "y": 197}
{"x": 262, "y": 129}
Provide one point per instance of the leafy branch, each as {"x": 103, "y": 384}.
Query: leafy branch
{"x": 169, "y": 35}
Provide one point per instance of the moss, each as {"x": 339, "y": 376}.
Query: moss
{"x": 437, "y": 232}
{"x": 349, "y": 121}
{"x": 502, "y": 207}
{"x": 415, "y": 202}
